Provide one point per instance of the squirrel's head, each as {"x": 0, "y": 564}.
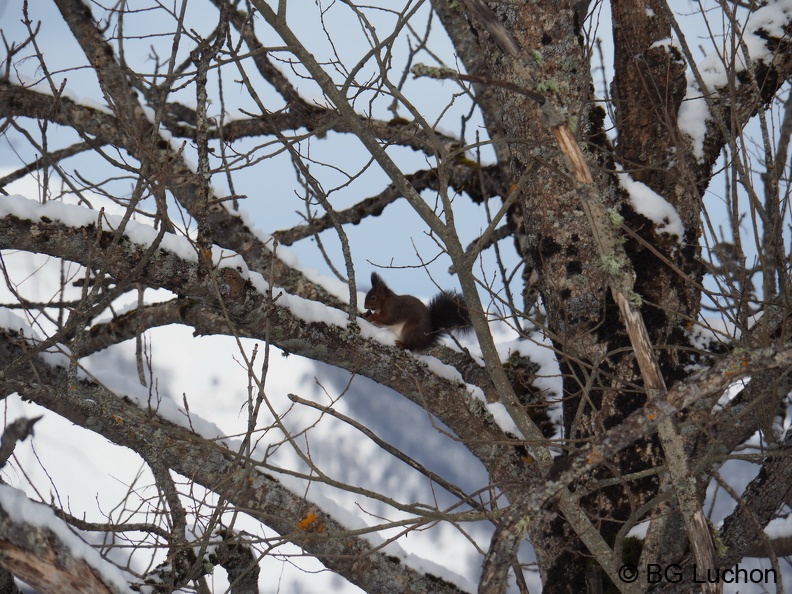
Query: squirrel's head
{"x": 376, "y": 296}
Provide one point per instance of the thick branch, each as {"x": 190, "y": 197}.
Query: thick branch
{"x": 215, "y": 467}
{"x": 255, "y": 316}
{"x": 228, "y": 229}
{"x": 17, "y": 431}
{"x": 40, "y": 556}
{"x": 479, "y": 183}
{"x": 759, "y": 502}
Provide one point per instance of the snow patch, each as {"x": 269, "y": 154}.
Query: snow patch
{"x": 42, "y": 85}
{"x": 654, "y": 207}
{"x": 333, "y": 286}
{"x": 79, "y": 216}
{"x": 716, "y": 68}
{"x": 16, "y": 504}
{"x": 163, "y": 404}
{"x": 139, "y": 233}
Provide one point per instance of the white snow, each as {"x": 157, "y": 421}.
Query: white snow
{"x": 56, "y": 356}
{"x": 122, "y": 385}
{"x": 42, "y": 85}
{"x": 16, "y": 504}
{"x": 11, "y": 321}
{"x": 440, "y": 369}
{"x": 335, "y": 287}
{"x": 305, "y": 309}
{"x": 79, "y": 216}
{"x": 163, "y": 403}
{"x": 374, "y": 332}
{"x": 539, "y": 349}
{"x": 498, "y": 411}
{"x": 424, "y": 565}
{"x": 693, "y": 117}
{"x": 139, "y": 233}
{"x": 778, "y": 528}
{"x": 666, "y": 43}
{"x": 715, "y": 69}
{"x": 654, "y": 207}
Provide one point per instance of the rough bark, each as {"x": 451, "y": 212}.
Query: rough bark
{"x": 619, "y": 340}
{"x": 211, "y": 464}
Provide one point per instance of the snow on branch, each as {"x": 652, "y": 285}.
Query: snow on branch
{"x": 215, "y": 467}
{"x": 42, "y": 551}
{"x": 294, "y": 324}
{"x": 720, "y": 79}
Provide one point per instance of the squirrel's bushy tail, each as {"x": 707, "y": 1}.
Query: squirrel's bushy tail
{"x": 449, "y": 313}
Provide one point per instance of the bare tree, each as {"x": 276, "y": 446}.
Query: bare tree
{"x": 631, "y": 341}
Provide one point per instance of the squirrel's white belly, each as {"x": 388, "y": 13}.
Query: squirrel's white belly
{"x": 397, "y": 329}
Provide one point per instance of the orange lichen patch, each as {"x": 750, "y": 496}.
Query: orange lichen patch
{"x": 650, "y": 412}
{"x": 311, "y": 523}
{"x": 594, "y": 457}
{"x": 118, "y": 419}
{"x": 306, "y": 522}
{"x": 737, "y": 369}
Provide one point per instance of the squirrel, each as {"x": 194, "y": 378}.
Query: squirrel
{"x": 416, "y": 326}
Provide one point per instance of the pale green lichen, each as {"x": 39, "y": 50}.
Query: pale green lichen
{"x": 441, "y": 72}
{"x": 478, "y": 408}
{"x": 475, "y": 405}
{"x": 720, "y": 547}
{"x": 614, "y": 217}
{"x": 547, "y": 86}
{"x": 612, "y": 265}
{"x": 351, "y": 332}
{"x": 522, "y": 526}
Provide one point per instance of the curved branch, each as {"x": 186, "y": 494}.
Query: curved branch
{"x": 757, "y": 506}
{"x": 38, "y": 548}
{"x": 644, "y": 421}
{"x": 215, "y": 467}
{"x": 235, "y": 299}
{"x": 480, "y": 183}
{"x": 732, "y": 106}
{"x": 128, "y": 325}
{"x": 229, "y": 229}
{"x": 45, "y": 161}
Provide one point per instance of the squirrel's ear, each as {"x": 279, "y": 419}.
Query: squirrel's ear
{"x": 376, "y": 280}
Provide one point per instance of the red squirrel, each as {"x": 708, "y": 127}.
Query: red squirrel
{"x": 416, "y": 326}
